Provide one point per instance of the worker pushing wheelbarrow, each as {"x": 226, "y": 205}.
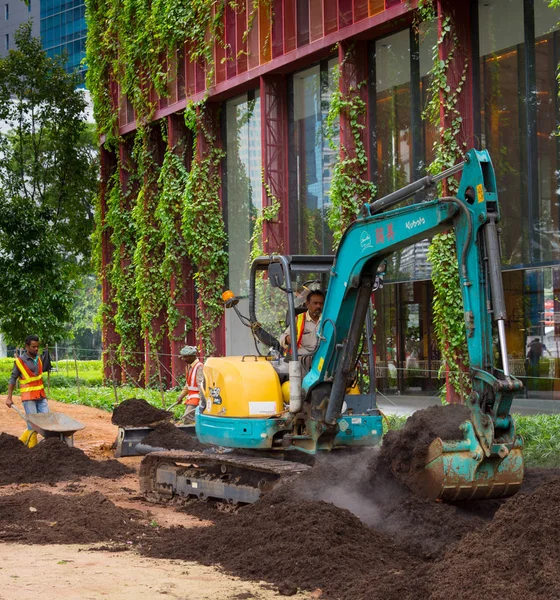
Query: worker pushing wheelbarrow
{"x": 28, "y": 369}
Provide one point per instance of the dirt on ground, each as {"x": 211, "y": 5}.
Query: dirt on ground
{"x": 170, "y": 437}
{"x": 50, "y": 461}
{"x": 347, "y": 528}
{"x": 136, "y": 412}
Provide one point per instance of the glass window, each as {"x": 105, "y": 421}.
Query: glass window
{"x": 427, "y": 41}
{"x": 243, "y": 187}
{"x": 312, "y": 91}
{"x": 394, "y": 140}
{"x": 502, "y": 53}
{"x": 7, "y": 11}
{"x": 7, "y": 41}
{"x": 546, "y": 61}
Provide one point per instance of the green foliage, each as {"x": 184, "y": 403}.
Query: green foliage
{"x": 268, "y": 214}
{"x": 449, "y": 324}
{"x": 120, "y": 272}
{"x": 443, "y": 98}
{"x": 172, "y": 183}
{"x": 203, "y": 225}
{"x": 541, "y": 437}
{"x": 151, "y": 288}
{"x": 48, "y": 178}
{"x": 349, "y": 186}
{"x": 104, "y": 397}
{"x": 134, "y": 43}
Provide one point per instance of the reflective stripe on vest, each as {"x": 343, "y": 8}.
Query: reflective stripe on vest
{"x": 193, "y": 397}
{"x": 300, "y": 327}
{"x": 30, "y": 385}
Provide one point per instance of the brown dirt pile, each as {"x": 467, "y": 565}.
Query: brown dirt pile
{"x": 403, "y": 452}
{"x": 136, "y": 412}
{"x": 170, "y": 437}
{"x": 50, "y": 461}
{"x": 300, "y": 544}
{"x": 36, "y": 517}
{"x": 517, "y": 556}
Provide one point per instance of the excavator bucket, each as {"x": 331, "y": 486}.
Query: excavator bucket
{"x": 459, "y": 470}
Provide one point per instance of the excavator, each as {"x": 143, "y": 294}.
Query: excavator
{"x": 268, "y": 422}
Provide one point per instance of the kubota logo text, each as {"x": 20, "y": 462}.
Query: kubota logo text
{"x": 416, "y": 223}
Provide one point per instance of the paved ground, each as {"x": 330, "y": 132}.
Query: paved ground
{"x": 407, "y": 404}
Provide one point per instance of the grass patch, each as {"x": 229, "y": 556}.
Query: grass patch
{"x": 541, "y": 434}
{"x": 104, "y": 397}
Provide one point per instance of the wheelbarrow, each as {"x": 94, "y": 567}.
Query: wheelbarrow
{"x": 53, "y": 424}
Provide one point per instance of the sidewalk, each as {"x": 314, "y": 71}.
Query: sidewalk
{"x": 406, "y": 405}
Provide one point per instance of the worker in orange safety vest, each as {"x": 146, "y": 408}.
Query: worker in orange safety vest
{"x": 193, "y": 376}
{"x": 28, "y": 368}
{"x": 307, "y": 325}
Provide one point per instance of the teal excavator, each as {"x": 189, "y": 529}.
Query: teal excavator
{"x": 264, "y": 436}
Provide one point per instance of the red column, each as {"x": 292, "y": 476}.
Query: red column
{"x": 207, "y": 135}
{"x": 131, "y": 356}
{"x": 157, "y": 360}
{"x": 352, "y": 56}
{"x": 111, "y": 339}
{"x": 182, "y": 284}
{"x": 274, "y": 137}
{"x": 460, "y": 50}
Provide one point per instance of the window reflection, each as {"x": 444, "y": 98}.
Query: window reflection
{"x": 243, "y": 191}
{"x": 502, "y": 53}
{"x": 314, "y": 158}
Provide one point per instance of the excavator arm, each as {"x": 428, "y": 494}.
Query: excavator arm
{"x": 473, "y": 214}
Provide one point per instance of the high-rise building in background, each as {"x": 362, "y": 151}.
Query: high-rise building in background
{"x": 61, "y": 24}
{"x": 63, "y": 29}
{"x": 12, "y": 14}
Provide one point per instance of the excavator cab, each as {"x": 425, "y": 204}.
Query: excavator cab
{"x": 248, "y": 399}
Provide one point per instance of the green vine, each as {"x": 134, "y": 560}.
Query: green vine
{"x": 169, "y": 213}
{"x": 203, "y": 224}
{"x": 121, "y": 274}
{"x": 131, "y": 57}
{"x": 268, "y": 213}
{"x": 349, "y": 186}
{"x": 448, "y": 311}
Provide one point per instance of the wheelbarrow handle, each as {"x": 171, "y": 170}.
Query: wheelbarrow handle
{"x": 19, "y": 413}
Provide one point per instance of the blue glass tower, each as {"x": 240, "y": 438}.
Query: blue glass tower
{"x": 63, "y": 29}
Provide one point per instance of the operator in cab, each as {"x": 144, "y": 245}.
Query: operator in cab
{"x": 193, "y": 379}
{"x": 307, "y": 325}
{"x": 28, "y": 368}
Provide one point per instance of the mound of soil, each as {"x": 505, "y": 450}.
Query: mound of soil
{"x": 424, "y": 527}
{"x": 170, "y": 437}
{"x": 300, "y": 544}
{"x": 403, "y": 452}
{"x": 517, "y": 556}
{"x": 50, "y": 461}
{"x": 136, "y": 412}
{"x": 36, "y": 517}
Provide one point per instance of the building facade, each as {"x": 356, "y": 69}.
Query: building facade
{"x": 64, "y": 30}
{"x": 272, "y": 90}
{"x": 12, "y": 14}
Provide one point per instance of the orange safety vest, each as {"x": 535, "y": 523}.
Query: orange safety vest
{"x": 30, "y": 385}
{"x": 300, "y": 327}
{"x": 193, "y": 397}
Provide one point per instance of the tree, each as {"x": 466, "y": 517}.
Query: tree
{"x": 48, "y": 181}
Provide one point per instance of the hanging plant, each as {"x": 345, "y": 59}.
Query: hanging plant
{"x": 203, "y": 224}
{"x": 349, "y": 186}
{"x": 448, "y": 312}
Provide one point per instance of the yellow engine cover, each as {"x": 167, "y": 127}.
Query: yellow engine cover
{"x": 242, "y": 387}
